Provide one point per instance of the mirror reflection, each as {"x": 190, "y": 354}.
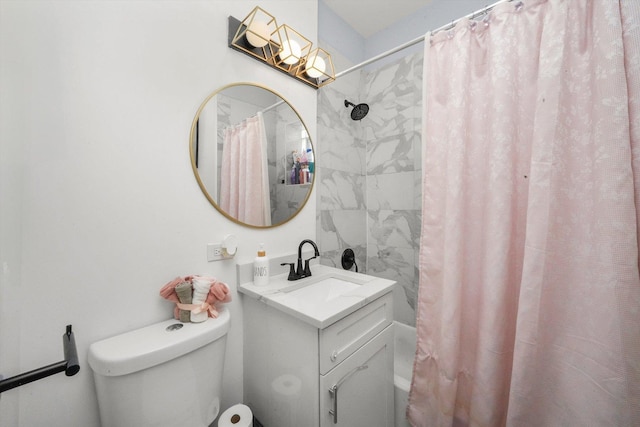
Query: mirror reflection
{"x": 252, "y": 155}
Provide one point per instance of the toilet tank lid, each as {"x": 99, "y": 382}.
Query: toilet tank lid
{"x": 154, "y": 344}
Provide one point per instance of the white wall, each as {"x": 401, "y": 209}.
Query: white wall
{"x": 99, "y": 207}
{"x": 336, "y": 32}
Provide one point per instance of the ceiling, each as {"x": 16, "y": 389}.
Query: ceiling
{"x": 368, "y": 17}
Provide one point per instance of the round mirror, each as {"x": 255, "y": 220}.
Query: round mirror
{"x": 252, "y": 155}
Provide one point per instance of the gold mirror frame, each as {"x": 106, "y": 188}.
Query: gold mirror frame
{"x": 192, "y": 154}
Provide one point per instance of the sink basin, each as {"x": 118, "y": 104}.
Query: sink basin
{"x": 323, "y": 298}
{"x": 325, "y": 286}
{"x": 323, "y": 290}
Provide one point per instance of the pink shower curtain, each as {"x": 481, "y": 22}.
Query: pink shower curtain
{"x": 244, "y": 177}
{"x": 529, "y": 301}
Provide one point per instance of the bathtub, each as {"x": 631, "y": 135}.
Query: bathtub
{"x": 404, "y": 352}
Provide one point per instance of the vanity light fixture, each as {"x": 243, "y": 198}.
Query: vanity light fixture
{"x": 253, "y": 35}
{"x": 281, "y": 47}
{"x": 318, "y": 66}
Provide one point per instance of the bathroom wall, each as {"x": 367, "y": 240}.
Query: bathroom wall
{"x": 369, "y": 189}
{"x": 341, "y": 173}
{"x": 369, "y": 192}
{"x": 99, "y": 206}
{"x": 393, "y": 167}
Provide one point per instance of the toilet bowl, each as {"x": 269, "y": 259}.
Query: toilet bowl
{"x": 166, "y": 374}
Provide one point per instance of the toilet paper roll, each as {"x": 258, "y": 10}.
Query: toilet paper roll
{"x": 236, "y": 416}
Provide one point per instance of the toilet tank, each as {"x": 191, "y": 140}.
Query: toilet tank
{"x": 165, "y": 374}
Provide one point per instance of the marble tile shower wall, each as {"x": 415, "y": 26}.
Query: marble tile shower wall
{"x": 340, "y": 180}
{"x": 369, "y": 192}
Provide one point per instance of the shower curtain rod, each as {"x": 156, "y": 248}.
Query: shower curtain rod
{"x": 419, "y": 39}
{"x": 271, "y": 107}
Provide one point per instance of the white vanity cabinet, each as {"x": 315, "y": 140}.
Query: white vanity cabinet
{"x": 297, "y": 374}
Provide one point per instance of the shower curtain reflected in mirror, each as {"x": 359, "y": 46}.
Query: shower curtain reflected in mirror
{"x": 244, "y": 178}
{"x": 529, "y": 298}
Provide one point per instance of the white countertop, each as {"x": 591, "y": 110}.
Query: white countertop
{"x": 341, "y": 293}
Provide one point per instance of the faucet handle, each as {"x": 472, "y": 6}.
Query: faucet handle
{"x": 292, "y": 270}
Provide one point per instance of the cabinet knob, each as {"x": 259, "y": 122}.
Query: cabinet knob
{"x": 334, "y": 355}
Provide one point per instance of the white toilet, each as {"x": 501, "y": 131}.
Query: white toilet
{"x": 167, "y": 374}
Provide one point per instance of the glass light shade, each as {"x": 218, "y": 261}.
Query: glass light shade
{"x": 258, "y": 34}
{"x": 315, "y": 66}
{"x": 318, "y": 68}
{"x": 290, "y": 52}
{"x": 292, "y": 48}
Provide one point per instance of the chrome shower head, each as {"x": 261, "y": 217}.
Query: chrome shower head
{"x": 359, "y": 111}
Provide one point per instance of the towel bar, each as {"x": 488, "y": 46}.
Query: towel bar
{"x": 69, "y": 365}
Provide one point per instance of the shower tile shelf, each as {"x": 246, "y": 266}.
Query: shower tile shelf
{"x": 318, "y": 351}
{"x": 306, "y": 184}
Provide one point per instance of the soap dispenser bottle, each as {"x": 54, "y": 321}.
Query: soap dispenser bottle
{"x": 261, "y": 268}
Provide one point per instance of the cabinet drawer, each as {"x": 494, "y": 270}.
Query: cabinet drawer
{"x": 344, "y": 337}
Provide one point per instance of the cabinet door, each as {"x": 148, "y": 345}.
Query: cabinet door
{"x": 359, "y": 391}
